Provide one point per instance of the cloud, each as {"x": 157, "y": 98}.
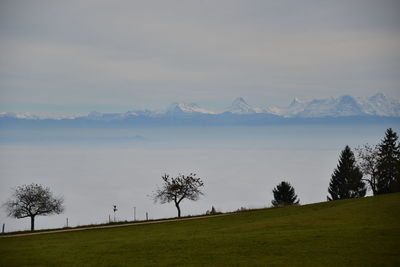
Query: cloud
{"x": 130, "y": 52}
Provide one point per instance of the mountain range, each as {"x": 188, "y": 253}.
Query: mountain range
{"x": 378, "y": 105}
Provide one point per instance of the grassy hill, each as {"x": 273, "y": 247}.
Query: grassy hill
{"x": 361, "y": 232}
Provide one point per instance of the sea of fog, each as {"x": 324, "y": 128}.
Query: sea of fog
{"x": 94, "y": 169}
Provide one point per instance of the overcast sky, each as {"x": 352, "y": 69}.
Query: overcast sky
{"x": 78, "y": 56}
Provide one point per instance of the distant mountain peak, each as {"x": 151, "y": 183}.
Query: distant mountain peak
{"x": 347, "y": 99}
{"x": 193, "y": 105}
{"x": 181, "y": 108}
{"x": 238, "y": 101}
{"x": 378, "y": 97}
{"x": 240, "y": 106}
{"x": 295, "y": 101}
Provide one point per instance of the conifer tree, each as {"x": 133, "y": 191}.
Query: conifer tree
{"x": 284, "y": 195}
{"x": 388, "y": 164}
{"x": 346, "y": 180}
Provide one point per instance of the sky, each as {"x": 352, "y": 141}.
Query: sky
{"x": 65, "y": 57}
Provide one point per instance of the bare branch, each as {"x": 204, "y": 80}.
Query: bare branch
{"x": 179, "y": 188}
{"x": 31, "y": 200}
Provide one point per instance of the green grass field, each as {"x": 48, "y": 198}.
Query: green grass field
{"x": 358, "y": 232}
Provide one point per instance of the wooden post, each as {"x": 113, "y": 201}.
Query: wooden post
{"x": 4, "y": 225}
{"x": 109, "y": 218}
{"x": 147, "y": 216}
{"x": 67, "y": 222}
{"x": 134, "y": 213}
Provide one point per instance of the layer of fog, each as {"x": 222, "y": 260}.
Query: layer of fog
{"x": 240, "y": 167}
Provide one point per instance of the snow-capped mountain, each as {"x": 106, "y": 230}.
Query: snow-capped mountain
{"x": 19, "y": 115}
{"x": 342, "y": 106}
{"x": 295, "y": 107}
{"x": 332, "y": 107}
{"x": 381, "y": 105}
{"x": 182, "y": 108}
{"x": 240, "y": 106}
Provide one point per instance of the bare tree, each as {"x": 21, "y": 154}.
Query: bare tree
{"x": 367, "y": 156}
{"x": 31, "y": 201}
{"x": 179, "y": 188}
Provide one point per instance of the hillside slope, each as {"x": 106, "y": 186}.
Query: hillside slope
{"x": 358, "y": 232}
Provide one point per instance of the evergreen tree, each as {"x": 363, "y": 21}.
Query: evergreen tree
{"x": 346, "y": 180}
{"x": 284, "y": 195}
{"x": 388, "y": 164}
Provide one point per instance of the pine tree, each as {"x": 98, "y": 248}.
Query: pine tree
{"x": 284, "y": 195}
{"x": 388, "y": 164}
{"x": 346, "y": 180}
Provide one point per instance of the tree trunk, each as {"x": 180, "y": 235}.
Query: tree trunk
{"x": 178, "y": 208}
{"x": 374, "y": 191}
{"x": 32, "y": 223}
{"x": 373, "y": 186}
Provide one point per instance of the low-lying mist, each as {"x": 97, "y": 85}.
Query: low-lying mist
{"x": 94, "y": 169}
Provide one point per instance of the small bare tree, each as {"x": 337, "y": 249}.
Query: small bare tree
{"x": 178, "y": 188}
{"x": 33, "y": 200}
{"x": 367, "y": 157}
